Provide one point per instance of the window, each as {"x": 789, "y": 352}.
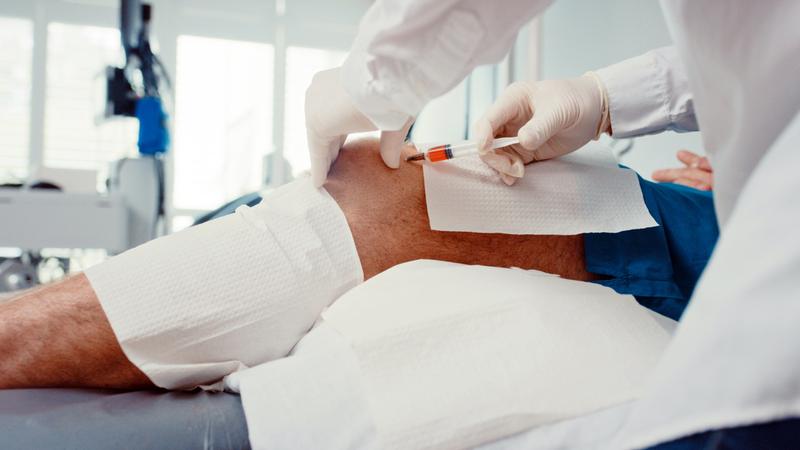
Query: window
{"x": 77, "y": 56}
{"x": 223, "y": 125}
{"x": 301, "y": 65}
{"x": 16, "y": 40}
{"x": 181, "y": 222}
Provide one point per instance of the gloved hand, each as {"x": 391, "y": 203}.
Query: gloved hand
{"x": 551, "y": 118}
{"x": 331, "y": 116}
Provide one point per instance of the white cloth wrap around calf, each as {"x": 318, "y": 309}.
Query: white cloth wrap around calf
{"x": 240, "y": 290}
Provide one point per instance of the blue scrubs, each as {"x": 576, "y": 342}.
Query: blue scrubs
{"x": 778, "y": 435}
{"x": 659, "y": 266}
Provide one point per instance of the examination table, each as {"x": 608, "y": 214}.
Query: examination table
{"x": 104, "y": 419}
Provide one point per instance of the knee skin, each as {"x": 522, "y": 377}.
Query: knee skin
{"x": 387, "y": 214}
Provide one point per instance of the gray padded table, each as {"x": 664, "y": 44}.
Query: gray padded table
{"x": 100, "y": 419}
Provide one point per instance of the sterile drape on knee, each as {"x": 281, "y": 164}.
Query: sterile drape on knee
{"x": 241, "y": 290}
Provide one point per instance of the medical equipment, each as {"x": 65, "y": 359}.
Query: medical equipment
{"x": 16, "y": 274}
{"x": 139, "y": 182}
{"x": 134, "y": 90}
{"x": 37, "y": 219}
{"x": 74, "y": 218}
{"x": 451, "y": 151}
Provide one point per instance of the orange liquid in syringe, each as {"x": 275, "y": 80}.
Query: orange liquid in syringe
{"x": 440, "y": 153}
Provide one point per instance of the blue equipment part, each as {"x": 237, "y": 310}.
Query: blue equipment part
{"x": 153, "y": 134}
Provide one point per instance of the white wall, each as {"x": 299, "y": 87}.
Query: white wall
{"x": 581, "y": 35}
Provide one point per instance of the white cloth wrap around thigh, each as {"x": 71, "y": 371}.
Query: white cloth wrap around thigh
{"x": 240, "y": 290}
{"x": 437, "y": 355}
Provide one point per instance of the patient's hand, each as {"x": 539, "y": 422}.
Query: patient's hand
{"x": 696, "y": 173}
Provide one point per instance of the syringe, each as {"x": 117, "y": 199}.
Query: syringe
{"x": 466, "y": 148}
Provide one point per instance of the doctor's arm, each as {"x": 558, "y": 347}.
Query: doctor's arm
{"x": 405, "y": 54}
{"x": 649, "y": 94}
{"x": 642, "y": 95}
{"x": 409, "y": 52}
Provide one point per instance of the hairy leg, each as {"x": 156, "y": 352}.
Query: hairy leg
{"x": 59, "y": 335}
{"x": 388, "y": 217}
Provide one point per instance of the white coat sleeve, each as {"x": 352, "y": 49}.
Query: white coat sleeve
{"x": 649, "y": 94}
{"x": 735, "y": 352}
{"x": 409, "y": 52}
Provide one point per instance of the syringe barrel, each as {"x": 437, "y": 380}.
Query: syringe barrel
{"x": 464, "y": 150}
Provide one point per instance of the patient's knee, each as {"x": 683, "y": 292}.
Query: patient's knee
{"x": 360, "y": 169}
{"x": 385, "y": 208}
{"x": 388, "y": 218}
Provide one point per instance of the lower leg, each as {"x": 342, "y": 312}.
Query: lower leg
{"x": 58, "y": 336}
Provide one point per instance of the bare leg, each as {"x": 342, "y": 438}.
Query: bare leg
{"x": 388, "y": 217}
{"x": 59, "y": 335}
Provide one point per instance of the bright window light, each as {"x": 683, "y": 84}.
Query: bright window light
{"x": 16, "y": 40}
{"x": 301, "y": 65}
{"x": 77, "y": 56}
{"x": 181, "y": 222}
{"x": 223, "y": 119}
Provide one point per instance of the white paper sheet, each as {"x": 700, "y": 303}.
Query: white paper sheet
{"x": 194, "y": 306}
{"x": 313, "y": 399}
{"x": 454, "y": 356}
{"x": 578, "y": 193}
{"x": 396, "y": 374}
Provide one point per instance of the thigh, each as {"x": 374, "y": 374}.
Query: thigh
{"x": 387, "y": 214}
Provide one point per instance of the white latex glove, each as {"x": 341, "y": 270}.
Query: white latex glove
{"x": 551, "y": 118}
{"x": 331, "y": 116}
